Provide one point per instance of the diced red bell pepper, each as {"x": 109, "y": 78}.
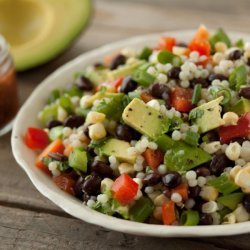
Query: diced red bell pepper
{"x": 242, "y": 129}
{"x": 168, "y": 213}
{"x": 182, "y": 189}
{"x": 124, "y": 189}
{"x": 114, "y": 85}
{"x": 65, "y": 182}
{"x": 200, "y": 42}
{"x": 146, "y": 96}
{"x": 166, "y": 43}
{"x": 55, "y": 147}
{"x": 153, "y": 157}
{"x": 181, "y": 99}
{"x": 36, "y": 138}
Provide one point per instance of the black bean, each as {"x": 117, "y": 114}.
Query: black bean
{"x": 219, "y": 163}
{"x": 246, "y": 202}
{"x": 235, "y": 55}
{"x": 206, "y": 219}
{"x": 167, "y": 192}
{"x": 78, "y": 187}
{"x": 98, "y": 65}
{"x": 174, "y": 72}
{"x": 245, "y": 92}
{"x": 166, "y": 98}
{"x": 217, "y": 76}
{"x": 57, "y": 156}
{"x": 128, "y": 85}
{"x": 202, "y": 171}
{"x": 126, "y": 133}
{"x": 212, "y": 135}
{"x": 53, "y": 123}
{"x": 248, "y": 61}
{"x": 102, "y": 168}
{"x": 204, "y": 82}
{"x": 91, "y": 151}
{"x": 171, "y": 179}
{"x": 181, "y": 44}
{"x": 86, "y": 197}
{"x": 151, "y": 179}
{"x": 86, "y": 131}
{"x": 74, "y": 121}
{"x": 84, "y": 83}
{"x": 194, "y": 191}
{"x": 117, "y": 61}
{"x": 198, "y": 203}
{"x": 157, "y": 90}
{"x": 91, "y": 185}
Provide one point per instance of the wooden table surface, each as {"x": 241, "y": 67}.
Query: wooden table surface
{"x": 30, "y": 221}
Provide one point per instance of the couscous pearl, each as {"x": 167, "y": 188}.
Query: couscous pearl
{"x": 102, "y": 198}
{"x": 201, "y": 181}
{"x": 176, "y": 197}
{"x": 140, "y": 175}
{"x": 162, "y": 169}
{"x": 138, "y": 167}
{"x": 191, "y": 175}
{"x": 185, "y": 83}
{"x": 67, "y": 131}
{"x": 149, "y": 190}
{"x": 162, "y": 78}
{"x": 192, "y": 183}
{"x": 176, "y": 135}
{"x": 90, "y": 203}
{"x": 152, "y": 145}
{"x": 209, "y": 207}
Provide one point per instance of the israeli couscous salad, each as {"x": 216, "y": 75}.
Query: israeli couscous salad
{"x": 160, "y": 135}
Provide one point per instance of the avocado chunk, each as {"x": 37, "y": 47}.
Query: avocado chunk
{"x": 145, "y": 119}
{"x": 55, "y": 133}
{"x": 231, "y": 200}
{"x": 111, "y": 106}
{"x": 124, "y": 70}
{"x": 181, "y": 157}
{"x": 78, "y": 159}
{"x": 38, "y": 30}
{"x": 118, "y": 148}
{"x": 208, "y": 115}
{"x": 96, "y": 76}
{"x": 240, "y": 107}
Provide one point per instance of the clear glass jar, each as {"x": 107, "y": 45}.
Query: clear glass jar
{"x": 8, "y": 88}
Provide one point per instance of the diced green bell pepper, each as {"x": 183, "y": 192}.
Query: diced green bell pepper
{"x": 48, "y": 114}
{"x": 231, "y": 200}
{"x": 223, "y": 184}
{"x": 53, "y": 96}
{"x": 141, "y": 210}
{"x": 190, "y": 218}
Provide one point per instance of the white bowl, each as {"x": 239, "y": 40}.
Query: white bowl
{"x": 25, "y": 157}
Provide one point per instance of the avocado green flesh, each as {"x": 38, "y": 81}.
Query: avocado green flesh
{"x": 117, "y": 148}
{"x": 182, "y": 157}
{"x": 145, "y": 119}
{"x": 241, "y": 107}
{"x": 208, "y": 115}
{"x": 38, "y": 30}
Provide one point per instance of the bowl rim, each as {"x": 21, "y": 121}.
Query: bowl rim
{"x": 73, "y": 206}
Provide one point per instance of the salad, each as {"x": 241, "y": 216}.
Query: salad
{"x": 160, "y": 135}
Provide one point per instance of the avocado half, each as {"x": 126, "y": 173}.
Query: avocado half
{"x": 38, "y": 30}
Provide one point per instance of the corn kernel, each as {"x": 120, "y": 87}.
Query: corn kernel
{"x": 106, "y": 185}
{"x": 97, "y": 131}
{"x": 209, "y": 193}
{"x": 233, "y": 151}
{"x": 157, "y": 213}
{"x": 229, "y": 219}
{"x": 181, "y": 51}
{"x": 160, "y": 199}
{"x": 220, "y": 47}
{"x": 126, "y": 168}
{"x": 95, "y": 117}
{"x": 241, "y": 214}
{"x": 230, "y": 118}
